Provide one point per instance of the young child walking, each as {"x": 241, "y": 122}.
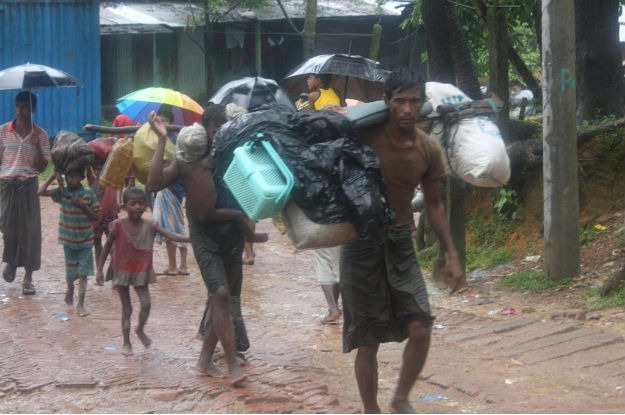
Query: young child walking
{"x": 132, "y": 241}
{"x": 79, "y": 206}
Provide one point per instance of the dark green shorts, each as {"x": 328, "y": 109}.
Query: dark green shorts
{"x": 382, "y": 289}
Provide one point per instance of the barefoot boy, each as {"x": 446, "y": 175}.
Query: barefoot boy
{"x": 217, "y": 237}
{"x": 79, "y": 206}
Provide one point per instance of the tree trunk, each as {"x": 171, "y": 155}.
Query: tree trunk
{"x": 440, "y": 62}
{"x": 466, "y": 74}
{"x": 599, "y": 69}
{"x": 498, "y": 51}
{"x": 308, "y": 33}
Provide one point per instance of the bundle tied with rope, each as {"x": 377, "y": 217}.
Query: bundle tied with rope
{"x": 70, "y": 152}
{"x": 473, "y": 147}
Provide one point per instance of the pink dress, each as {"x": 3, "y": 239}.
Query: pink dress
{"x": 131, "y": 263}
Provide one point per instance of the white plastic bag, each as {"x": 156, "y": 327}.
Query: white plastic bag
{"x": 474, "y": 151}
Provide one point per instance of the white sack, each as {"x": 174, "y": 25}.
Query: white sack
{"x": 306, "y": 234}
{"x": 476, "y": 152}
{"x": 191, "y": 144}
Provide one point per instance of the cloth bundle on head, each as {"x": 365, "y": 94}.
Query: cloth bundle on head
{"x": 70, "y": 152}
{"x": 192, "y": 143}
{"x": 234, "y": 110}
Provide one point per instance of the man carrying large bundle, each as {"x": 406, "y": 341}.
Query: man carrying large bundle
{"x": 384, "y": 294}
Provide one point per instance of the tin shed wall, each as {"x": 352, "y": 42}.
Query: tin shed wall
{"x": 63, "y": 34}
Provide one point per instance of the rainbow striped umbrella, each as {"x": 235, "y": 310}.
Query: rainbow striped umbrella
{"x": 138, "y": 104}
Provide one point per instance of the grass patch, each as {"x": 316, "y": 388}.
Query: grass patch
{"x": 426, "y": 256}
{"x": 487, "y": 257}
{"x": 595, "y": 300}
{"x": 532, "y": 281}
{"x": 488, "y": 238}
{"x": 47, "y": 172}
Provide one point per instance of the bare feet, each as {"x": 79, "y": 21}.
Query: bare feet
{"x": 236, "y": 379}
{"x": 248, "y": 259}
{"x": 82, "y": 311}
{"x": 183, "y": 271}
{"x": 401, "y": 406}
{"x": 127, "y": 349}
{"x": 69, "y": 296}
{"x": 144, "y": 338}
{"x": 331, "y": 318}
{"x": 210, "y": 370}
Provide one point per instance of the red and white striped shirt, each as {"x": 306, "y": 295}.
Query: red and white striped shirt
{"x": 17, "y": 154}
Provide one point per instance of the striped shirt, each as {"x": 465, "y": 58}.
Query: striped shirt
{"x": 75, "y": 227}
{"x": 17, "y": 155}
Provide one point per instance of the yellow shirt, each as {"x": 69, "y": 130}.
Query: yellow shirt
{"x": 326, "y": 96}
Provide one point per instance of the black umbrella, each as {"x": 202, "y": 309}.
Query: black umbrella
{"x": 31, "y": 76}
{"x": 353, "y": 76}
{"x": 251, "y": 93}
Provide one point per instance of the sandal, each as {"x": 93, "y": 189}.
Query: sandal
{"x": 28, "y": 289}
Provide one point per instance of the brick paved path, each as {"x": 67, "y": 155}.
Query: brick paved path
{"x": 51, "y": 360}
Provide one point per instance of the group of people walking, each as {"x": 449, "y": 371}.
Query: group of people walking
{"x": 382, "y": 290}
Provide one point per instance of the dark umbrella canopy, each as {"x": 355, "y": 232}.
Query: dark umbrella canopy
{"x": 251, "y": 93}
{"x": 31, "y": 76}
{"x": 353, "y": 76}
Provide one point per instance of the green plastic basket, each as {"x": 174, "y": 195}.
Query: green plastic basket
{"x": 259, "y": 179}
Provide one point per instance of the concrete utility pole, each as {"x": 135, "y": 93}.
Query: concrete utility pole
{"x": 560, "y": 188}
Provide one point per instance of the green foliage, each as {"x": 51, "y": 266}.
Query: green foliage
{"x": 621, "y": 237}
{"x": 521, "y": 31}
{"x": 487, "y": 257}
{"x": 531, "y": 281}
{"x": 489, "y": 237}
{"x": 615, "y": 298}
{"x": 508, "y": 205}
{"x": 489, "y": 232}
{"x": 47, "y": 172}
{"x": 588, "y": 234}
{"x": 426, "y": 256}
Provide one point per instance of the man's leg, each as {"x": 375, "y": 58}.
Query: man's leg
{"x": 205, "y": 363}
{"x": 366, "y": 370}
{"x": 221, "y": 322}
{"x": 413, "y": 360}
{"x": 331, "y": 292}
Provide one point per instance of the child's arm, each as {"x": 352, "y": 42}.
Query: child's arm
{"x": 170, "y": 235}
{"x": 43, "y": 187}
{"x": 99, "y": 278}
{"x": 312, "y": 97}
{"x": 159, "y": 177}
{"x": 78, "y": 202}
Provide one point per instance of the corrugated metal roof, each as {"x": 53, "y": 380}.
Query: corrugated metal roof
{"x": 38, "y": 31}
{"x": 164, "y": 15}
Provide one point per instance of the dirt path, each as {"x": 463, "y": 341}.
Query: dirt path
{"x": 51, "y": 360}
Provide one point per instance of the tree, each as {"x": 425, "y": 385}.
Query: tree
{"x": 600, "y": 89}
{"x": 309, "y": 30}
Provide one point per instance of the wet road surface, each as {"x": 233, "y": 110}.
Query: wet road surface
{"x": 52, "y": 360}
